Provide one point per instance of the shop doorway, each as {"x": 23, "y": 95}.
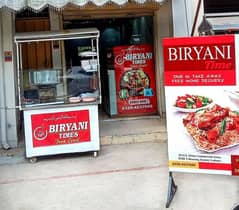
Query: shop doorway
{"x": 118, "y": 99}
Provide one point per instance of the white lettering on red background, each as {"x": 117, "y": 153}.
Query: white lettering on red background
{"x": 184, "y": 57}
{"x": 68, "y": 130}
{"x": 199, "y": 53}
{"x": 68, "y": 127}
{"x": 138, "y": 58}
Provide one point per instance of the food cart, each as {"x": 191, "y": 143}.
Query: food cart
{"x": 59, "y": 91}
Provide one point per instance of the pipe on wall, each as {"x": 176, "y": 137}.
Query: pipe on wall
{"x": 3, "y": 108}
{"x": 196, "y": 17}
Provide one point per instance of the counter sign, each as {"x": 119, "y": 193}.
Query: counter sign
{"x": 60, "y": 128}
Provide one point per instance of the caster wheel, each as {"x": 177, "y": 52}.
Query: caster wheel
{"x": 95, "y": 154}
{"x": 33, "y": 160}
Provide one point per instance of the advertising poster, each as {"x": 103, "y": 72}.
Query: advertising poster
{"x": 59, "y": 128}
{"x": 135, "y": 79}
{"x": 202, "y": 104}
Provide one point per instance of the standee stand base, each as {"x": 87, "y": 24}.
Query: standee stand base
{"x": 172, "y": 188}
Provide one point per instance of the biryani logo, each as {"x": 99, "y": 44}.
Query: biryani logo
{"x": 40, "y": 133}
{"x": 136, "y": 58}
{"x": 119, "y": 60}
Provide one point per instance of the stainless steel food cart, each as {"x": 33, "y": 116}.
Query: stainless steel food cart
{"x": 59, "y": 90}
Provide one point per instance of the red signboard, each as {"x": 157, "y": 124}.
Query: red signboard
{"x": 198, "y": 61}
{"x": 60, "y": 128}
{"x": 135, "y": 79}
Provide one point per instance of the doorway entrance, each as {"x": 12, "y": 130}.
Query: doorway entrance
{"x": 120, "y": 34}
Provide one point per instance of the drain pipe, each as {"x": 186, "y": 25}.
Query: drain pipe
{"x": 4, "y": 142}
{"x": 196, "y": 17}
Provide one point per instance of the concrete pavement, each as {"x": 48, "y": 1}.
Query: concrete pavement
{"x": 122, "y": 177}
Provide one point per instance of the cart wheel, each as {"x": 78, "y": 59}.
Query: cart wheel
{"x": 33, "y": 160}
{"x": 95, "y": 154}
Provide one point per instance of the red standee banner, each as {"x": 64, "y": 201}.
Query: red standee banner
{"x": 60, "y": 128}
{"x": 202, "y": 103}
{"x": 135, "y": 79}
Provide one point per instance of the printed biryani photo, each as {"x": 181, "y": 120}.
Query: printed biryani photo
{"x": 214, "y": 128}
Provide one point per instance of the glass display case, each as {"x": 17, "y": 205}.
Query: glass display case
{"x": 68, "y": 73}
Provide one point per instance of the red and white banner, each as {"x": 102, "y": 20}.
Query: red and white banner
{"x": 202, "y": 103}
{"x": 60, "y": 128}
{"x": 135, "y": 79}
